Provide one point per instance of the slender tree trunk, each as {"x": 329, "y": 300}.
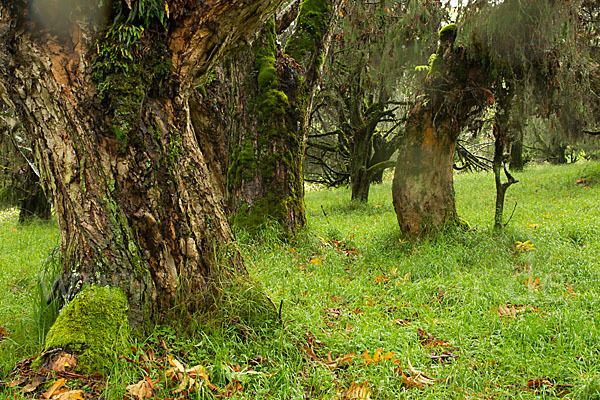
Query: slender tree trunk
{"x": 33, "y": 203}
{"x": 361, "y": 152}
{"x": 145, "y": 215}
{"x": 516, "y": 151}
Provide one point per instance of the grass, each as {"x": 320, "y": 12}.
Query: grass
{"x": 352, "y": 283}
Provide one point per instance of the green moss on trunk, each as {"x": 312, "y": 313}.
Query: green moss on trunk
{"x": 313, "y": 20}
{"x": 91, "y": 326}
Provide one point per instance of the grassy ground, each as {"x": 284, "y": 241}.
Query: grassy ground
{"x": 480, "y": 314}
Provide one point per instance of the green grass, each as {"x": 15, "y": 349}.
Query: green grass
{"x": 24, "y": 254}
{"x": 343, "y": 282}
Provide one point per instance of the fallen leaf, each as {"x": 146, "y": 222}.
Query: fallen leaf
{"x": 34, "y": 384}
{"x": 427, "y": 339}
{"x": 533, "y": 284}
{"x": 382, "y": 279}
{"x": 315, "y": 261}
{"x": 377, "y": 357}
{"x": 334, "y": 363}
{"x": 525, "y": 246}
{"x": 2, "y": 332}
{"x": 401, "y": 322}
{"x": 63, "y": 362}
{"x": 335, "y": 312}
{"x": 416, "y": 379}
{"x": 53, "y": 388}
{"x": 445, "y": 356}
{"x": 141, "y": 390}
{"x": 505, "y": 311}
{"x": 69, "y": 395}
{"x": 356, "y": 391}
{"x": 533, "y": 226}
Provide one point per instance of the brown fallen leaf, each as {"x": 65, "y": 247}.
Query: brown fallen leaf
{"x": 504, "y": 310}
{"x": 141, "y": 390}
{"x": 335, "y": 312}
{"x": 416, "y": 379}
{"x": 63, "y": 362}
{"x": 34, "y": 384}
{"x": 53, "y": 388}
{"x": 69, "y": 395}
{"x": 401, "y": 322}
{"x": 356, "y": 391}
{"x": 377, "y": 356}
{"x": 2, "y": 332}
{"x": 445, "y": 356}
{"x": 334, "y": 363}
{"x": 427, "y": 339}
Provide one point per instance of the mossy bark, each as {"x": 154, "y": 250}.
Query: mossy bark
{"x": 423, "y": 189}
{"x": 146, "y": 217}
{"x": 274, "y": 94}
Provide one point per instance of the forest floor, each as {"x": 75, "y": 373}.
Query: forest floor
{"x": 367, "y": 313}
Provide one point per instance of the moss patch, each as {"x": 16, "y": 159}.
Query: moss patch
{"x": 91, "y": 325}
{"x": 313, "y": 19}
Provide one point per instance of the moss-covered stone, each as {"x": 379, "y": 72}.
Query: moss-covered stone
{"x": 91, "y": 325}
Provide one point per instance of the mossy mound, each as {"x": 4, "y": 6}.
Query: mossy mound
{"x": 91, "y": 326}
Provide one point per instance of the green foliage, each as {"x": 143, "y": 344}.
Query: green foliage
{"x": 93, "y": 323}
{"x": 130, "y": 60}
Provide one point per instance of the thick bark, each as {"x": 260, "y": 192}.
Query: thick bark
{"x": 422, "y": 190}
{"x": 145, "y": 217}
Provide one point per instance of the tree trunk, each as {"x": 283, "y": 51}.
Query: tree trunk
{"x": 264, "y": 178}
{"x": 33, "y": 203}
{"x": 516, "y": 151}
{"x": 361, "y": 152}
{"x": 142, "y": 214}
{"x": 274, "y": 97}
{"x": 423, "y": 190}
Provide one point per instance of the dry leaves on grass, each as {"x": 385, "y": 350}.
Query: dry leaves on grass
{"x": 428, "y": 340}
{"x": 187, "y": 378}
{"x": 511, "y": 310}
{"x": 533, "y": 284}
{"x": 377, "y": 357}
{"x": 356, "y": 391}
{"x": 2, "y": 332}
{"x": 57, "y": 391}
{"x": 414, "y": 378}
{"x": 144, "y": 389}
{"x": 524, "y": 246}
{"x": 63, "y": 362}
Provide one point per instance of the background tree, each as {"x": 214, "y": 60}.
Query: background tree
{"x": 367, "y": 86}
{"x": 498, "y": 44}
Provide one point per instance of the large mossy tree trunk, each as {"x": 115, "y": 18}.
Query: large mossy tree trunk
{"x": 274, "y": 95}
{"x": 423, "y": 190}
{"x": 142, "y": 212}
